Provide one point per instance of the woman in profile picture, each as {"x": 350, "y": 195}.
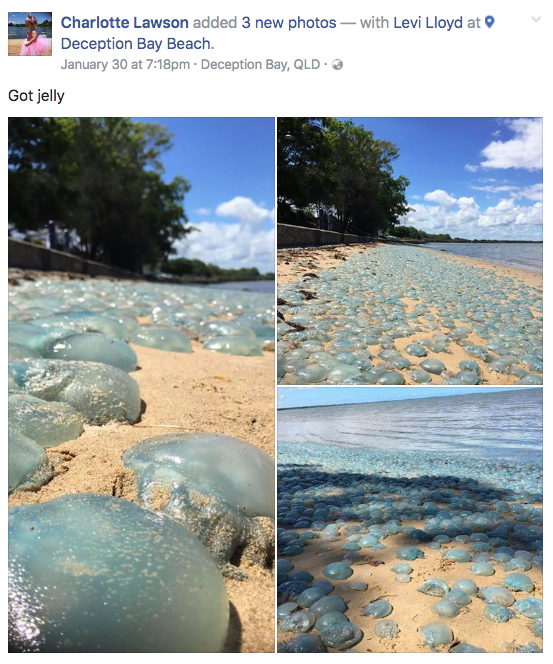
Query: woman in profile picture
{"x": 34, "y": 44}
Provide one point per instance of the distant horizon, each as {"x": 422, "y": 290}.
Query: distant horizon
{"x": 293, "y": 395}
{"x": 484, "y": 241}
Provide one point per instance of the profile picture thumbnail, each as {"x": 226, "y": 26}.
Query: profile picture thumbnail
{"x": 29, "y": 33}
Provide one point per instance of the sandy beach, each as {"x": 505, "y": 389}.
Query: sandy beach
{"x": 413, "y": 609}
{"x": 294, "y": 264}
{"x": 14, "y": 47}
{"x": 199, "y": 392}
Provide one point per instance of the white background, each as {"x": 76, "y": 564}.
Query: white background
{"x": 481, "y": 72}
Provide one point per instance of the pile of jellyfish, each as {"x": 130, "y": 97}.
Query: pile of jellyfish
{"x": 70, "y": 355}
{"x": 96, "y": 321}
{"x": 394, "y": 314}
{"x": 81, "y": 563}
{"x": 335, "y": 519}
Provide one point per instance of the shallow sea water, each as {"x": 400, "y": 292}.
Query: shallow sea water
{"x": 527, "y": 256}
{"x": 480, "y": 424}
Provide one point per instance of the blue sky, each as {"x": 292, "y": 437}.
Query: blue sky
{"x": 295, "y": 397}
{"x": 479, "y": 178}
{"x": 230, "y": 163}
{"x": 19, "y": 17}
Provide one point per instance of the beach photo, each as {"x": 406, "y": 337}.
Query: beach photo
{"x": 141, "y": 385}
{"x": 410, "y": 519}
{"x": 410, "y": 251}
{"x": 29, "y": 34}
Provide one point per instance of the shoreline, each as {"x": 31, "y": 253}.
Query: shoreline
{"x": 506, "y": 270}
{"x": 183, "y": 392}
{"x": 293, "y": 264}
{"x": 485, "y": 263}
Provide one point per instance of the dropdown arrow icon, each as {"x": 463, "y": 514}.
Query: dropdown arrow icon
{"x": 536, "y": 18}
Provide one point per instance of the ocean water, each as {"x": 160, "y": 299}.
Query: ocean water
{"x": 15, "y": 32}
{"x": 521, "y": 255}
{"x": 495, "y": 426}
{"x": 257, "y": 286}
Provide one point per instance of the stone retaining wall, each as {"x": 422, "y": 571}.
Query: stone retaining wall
{"x": 300, "y": 236}
{"x": 29, "y": 256}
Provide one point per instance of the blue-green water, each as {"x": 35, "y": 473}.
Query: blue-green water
{"x": 15, "y": 32}
{"x": 257, "y": 286}
{"x": 522, "y": 255}
{"x": 503, "y": 425}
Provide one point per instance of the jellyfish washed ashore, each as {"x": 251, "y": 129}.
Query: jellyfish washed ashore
{"x": 421, "y": 521}
{"x": 218, "y": 487}
{"x": 391, "y": 315}
{"x": 49, "y": 423}
{"x": 93, "y": 320}
{"x": 98, "y": 392}
{"x": 91, "y": 573}
{"x": 28, "y": 465}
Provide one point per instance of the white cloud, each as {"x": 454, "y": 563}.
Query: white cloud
{"x": 471, "y": 167}
{"x": 524, "y": 150}
{"x": 533, "y": 192}
{"x": 440, "y": 196}
{"x": 245, "y": 243}
{"x": 244, "y": 209}
{"x": 230, "y": 246}
{"x": 464, "y": 218}
{"x": 493, "y": 189}
{"x": 203, "y": 211}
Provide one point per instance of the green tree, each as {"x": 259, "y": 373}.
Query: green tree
{"x": 101, "y": 178}
{"x": 190, "y": 269}
{"x": 342, "y": 167}
{"x": 303, "y": 162}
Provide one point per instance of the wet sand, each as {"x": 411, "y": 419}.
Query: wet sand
{"x": 329, "y": 258}
{"x": 182, "y": 392}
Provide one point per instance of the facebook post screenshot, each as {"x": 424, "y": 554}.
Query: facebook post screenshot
{"x": 275, "y": 326}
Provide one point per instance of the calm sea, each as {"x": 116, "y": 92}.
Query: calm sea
{"x": 257, "y": 286}
{"x": 522, "y": 255}
{"x": 21, "y": 33}
{"x": 493, "y": 425}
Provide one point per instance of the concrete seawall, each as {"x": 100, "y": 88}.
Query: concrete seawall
{"x": 29, "y": 256}
{"x": 300, "y": 236}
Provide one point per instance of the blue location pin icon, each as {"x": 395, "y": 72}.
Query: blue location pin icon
{"x": 490, "y": 20}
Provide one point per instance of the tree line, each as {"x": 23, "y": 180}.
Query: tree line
{"x": 412, "y": 234}
{"x": 342, "y": 169}
{"x": 45, "y": 24}
{"x": 415, "y": 235}
{"x": 102, "y": 180}
{"x": 195, "y": 269}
